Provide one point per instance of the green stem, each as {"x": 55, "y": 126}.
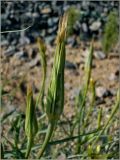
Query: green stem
{"x": 29, "y": 145}
{"x": 47, "y": 138}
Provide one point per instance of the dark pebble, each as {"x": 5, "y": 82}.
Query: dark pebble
{"x": 34, "y": 53}
{"x": 10, "y": 51}
{"x": 70, "y": 65}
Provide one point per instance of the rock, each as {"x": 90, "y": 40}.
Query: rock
{"x": 72, "y": 41}
{"x": 52, "y": 30}
{"x": 10, "y": 51}
{"x": 74, "y": 93}
{"x": 67, "y": 86}
{"x": 22, "y": 54}
{"x": 47, "y": 14}
{"x": 102, "y": 92}
{"x": 70, "y": 65}
{"x": 23, "y": 87}
{"x": 99, "y": 101}
{"x": 35, "y": 15}
{"x": 4, "y": 43}
{"x": 114, "y": 92}
{"x": 14, "y": 42}
{"x": 114, "y": 76}
{"x": 24, "y": 40}
{"x": 117, "y": 73}
{"x": 34, "y": 63}
{"x": 84, "y": 27}
{"x": 95, "y": 26}
{"x": 34, "y": 53}
{"x": 99, "y": 55}
{"x": 61, "y": 157}
{"x": 19, "y": 54}
{"x": 50, "y": 22}
{"x": 46, "y": 10}
{"x": 50, "y": 39}
{"x": 55, "y": 20}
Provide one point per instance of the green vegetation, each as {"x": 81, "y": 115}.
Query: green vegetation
{"x": 74, "y": 15}
{"x": 111, "y": 32}
{"x": 31, "y": 136}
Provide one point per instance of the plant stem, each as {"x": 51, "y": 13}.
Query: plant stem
{"x": 29, "y": 145}
{"x": 47, "y": 138}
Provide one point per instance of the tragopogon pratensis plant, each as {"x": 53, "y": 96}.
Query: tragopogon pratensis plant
{"x": 55, "y": 96}
{"x": 31, "y": 126}
{"x": 42, "y": 49}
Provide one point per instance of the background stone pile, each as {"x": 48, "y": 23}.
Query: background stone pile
{"x": 43, "y": 18}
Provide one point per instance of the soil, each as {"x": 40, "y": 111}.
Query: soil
{"x": 17, "y": 73}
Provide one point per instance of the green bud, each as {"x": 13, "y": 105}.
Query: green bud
{"x": 31, "y": 126}
{"x": 55, "y": 96}
{"x": 88, "y": 64}
{"x": 42, "y": 50}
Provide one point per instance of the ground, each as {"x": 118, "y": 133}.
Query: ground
{"x": 16, "y": 73}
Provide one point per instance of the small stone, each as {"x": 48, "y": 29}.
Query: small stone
{"x": 84, "y": 27}
{"x": 23, "y": 87}
{"x": 67, "y": 86}
{"x": 62, "y": 157}
{"x": 99, "y": 55}
{"x": 95, "y": 26}
{"x": 24, "y": 40}
{"x": 9, "y": 51}
{"x": 99, "y": 101}
{"x": 114, "y": 76}
{"x": 52, "y": 30}
{"x": 114, "y": 92}
{"x": 34, "y": 53}
{"x": 55, "y": 20}
{"x": 72, "y": 41}
{"x": 50, "y": 39}
{"x": 46, "y": 11}
{"x": 74, "y": 93}
{"x": 117, "y": 73}
{"x": 4, "y": 43}
{"x": 102, "y": 92}
{"x": 35, "y": 15}
{"x": 70, "y": 65}
{"x": 33, "y": 63}
{"x": 50, "y": 22}
{"x": 19, "y": 54}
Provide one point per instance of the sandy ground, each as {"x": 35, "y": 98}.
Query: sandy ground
{"x": 17, "y": 73}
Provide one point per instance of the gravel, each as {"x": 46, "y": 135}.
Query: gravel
{"x": 43, "y": 17}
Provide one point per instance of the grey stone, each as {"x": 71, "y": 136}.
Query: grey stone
{"x": 4, "y": 43}
{"x": 72, "y": 41}
{"x": 24, "y": 40}
{"x": 50, "y": 39}
{"x": 74, "y": 93}
{"x": 19, "y": 54}
{"x": 102, "y": 92}
{"x": 99, "y": 55}
{"x": 70, "y": 65}
{"x": 95, "y": 26}
{"x": 114, "y": 76}
{"x": 84, "y": 27}
{"x": 52, "y": 30}
{"x": 10, "y": 51}
{"x": 33, "y": 63}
